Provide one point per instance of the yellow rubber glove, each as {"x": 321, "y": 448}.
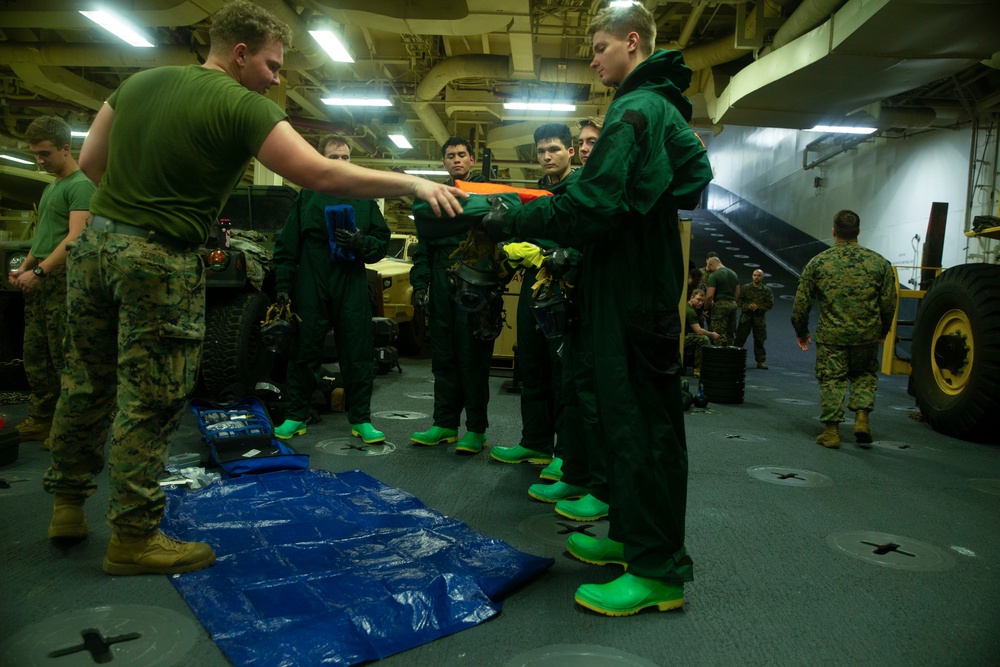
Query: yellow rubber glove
{"x": 523, "y": 254}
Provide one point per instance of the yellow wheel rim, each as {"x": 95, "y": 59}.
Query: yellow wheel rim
{"x": 953, "y": 323}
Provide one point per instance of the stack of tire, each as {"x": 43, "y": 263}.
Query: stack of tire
{"x": 723, "y": 373}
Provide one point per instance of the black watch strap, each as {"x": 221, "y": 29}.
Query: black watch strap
{"x": 39, "y": 271}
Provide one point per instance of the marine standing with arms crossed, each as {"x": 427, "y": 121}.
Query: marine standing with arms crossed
{"x": 136, "y": 284}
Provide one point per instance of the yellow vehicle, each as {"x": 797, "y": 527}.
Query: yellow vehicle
{"x": 954, "y": 361}
{"x": 393, "y": 294}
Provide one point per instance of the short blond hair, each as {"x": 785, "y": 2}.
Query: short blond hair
{"x": 244, "y": 22}
{"x": 620, "y": 21}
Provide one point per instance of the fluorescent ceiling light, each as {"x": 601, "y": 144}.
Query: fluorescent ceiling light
{"x": 332, "y": 45}
{"x": 79, "y": 134}
{"x": 16, "y": 159}
{"x": 539, "y": 106}
{"x": 118, "y": 27}
{"x": 400, "y": 141}
{"x": 426, "y": 172}
{"x": 357, "y": 101}
{"x": 842, "y": 129}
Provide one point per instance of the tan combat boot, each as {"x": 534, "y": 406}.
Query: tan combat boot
{"x": 830, "y": 437}
{"x": 862, "y": 431}
{"x": 68, "y": 519}
{"x": 155, "y": 553}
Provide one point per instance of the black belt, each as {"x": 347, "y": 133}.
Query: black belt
{"x": 116, "y": 227}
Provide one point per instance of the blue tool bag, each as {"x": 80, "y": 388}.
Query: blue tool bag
{"x": 240, "y": 438}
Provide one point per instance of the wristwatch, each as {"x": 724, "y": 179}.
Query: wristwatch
{"x": 39, "y": 271}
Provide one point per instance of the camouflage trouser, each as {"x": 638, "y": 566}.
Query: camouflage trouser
{"x": 724, "y": 321}
{"x": 758, "y": 324}
{"x": 44, "y": 329}
{"x": 838, "y": 365}
{"x": 695, "y": 342}
{"x": 136, "y": 319}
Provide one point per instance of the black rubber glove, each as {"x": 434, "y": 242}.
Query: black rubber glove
{"x": 493, "y": 222}
{"x": 557, "y": 264}
{"x": 420, "y": 299}
{"x": 349, "y": 240}
{"x": 282, "y": 299}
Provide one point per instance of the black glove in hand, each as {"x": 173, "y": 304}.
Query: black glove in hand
{"x": 557, "y": 264}
{"x": 282, "y": 299}
{"x": 349, "y": 240}
{"x": 493, "y": 222}
{"x": 420, "y": 299}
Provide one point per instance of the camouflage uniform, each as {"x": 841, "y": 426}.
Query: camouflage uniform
{"x": 136, "y": 318}
{"x": 857, "y": 300}
{"x": 45, "y": 305}
{"x": 693, "y": 343}
{"x": 723, "y": 316}
{"x": 754, "y": 319}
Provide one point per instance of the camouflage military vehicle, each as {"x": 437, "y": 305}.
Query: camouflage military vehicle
{"x": 12, "y": 318}
{"x": 240, "y": 286}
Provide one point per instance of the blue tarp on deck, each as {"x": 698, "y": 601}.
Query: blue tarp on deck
{"x": 317, "y": 568}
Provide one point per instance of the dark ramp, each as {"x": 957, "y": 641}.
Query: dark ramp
{"x": 335, "y": 569}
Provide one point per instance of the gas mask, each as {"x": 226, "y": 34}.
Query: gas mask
{"x": 553, "y": 310}
{"x": 276, "y": 336}
{"x": 478, "y": 293}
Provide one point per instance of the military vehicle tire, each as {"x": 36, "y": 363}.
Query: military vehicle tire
{"x": 411, "y": 334}
{"x": 233, "y": 352}
{"x": 12, "y": 377}
{"x": 956, "y": 352}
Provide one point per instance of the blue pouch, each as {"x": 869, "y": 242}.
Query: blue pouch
{"x": 240, "y": 438}
{"x": 340, "y": 217}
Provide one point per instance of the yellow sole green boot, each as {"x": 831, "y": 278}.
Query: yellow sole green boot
{"x": 519, "y": 454}
{"x": 594, "y": 551}
{"x": 368, "y": 433}
{"x": 471, "y": 443}
{"x": 552, "y": 471}
{"x": 553, "y": 493}
{"x": 435, "y": 435}
{"x": 587, "y": 508}
{"x": 629, "y": 594}
{"x": 290, "y": 428}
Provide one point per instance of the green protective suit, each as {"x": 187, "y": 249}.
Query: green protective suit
{"x": 326, "y": 294}
{"x": 621, "y": 213}
{"x": 460, "y": 362}
{"x": 542, "y": 393}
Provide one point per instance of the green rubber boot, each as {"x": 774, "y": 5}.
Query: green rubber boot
{"x": 594, "y": 551}
{"x": 435, "y": 435}
{"x": 368, "y": 433}
{"x": 519, "y": 454}
{"x": 288, "y": 428}
{"x": 552, "y": 471}
{"x": 587, "y": 508}
{"x": 471, "y": 443}
{"x": 629, "y": 594}
{"x": 553, "y": 493}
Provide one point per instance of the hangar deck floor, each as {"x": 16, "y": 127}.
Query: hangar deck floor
{"x": 783, "y": 576}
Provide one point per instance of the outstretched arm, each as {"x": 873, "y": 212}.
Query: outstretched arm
{"x": 285, "y": 152}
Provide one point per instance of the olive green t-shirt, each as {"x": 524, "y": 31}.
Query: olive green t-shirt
{"x": 725, "y": 282}
{"x": 59, "y": 199}
{"x": 181, "y": 139}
